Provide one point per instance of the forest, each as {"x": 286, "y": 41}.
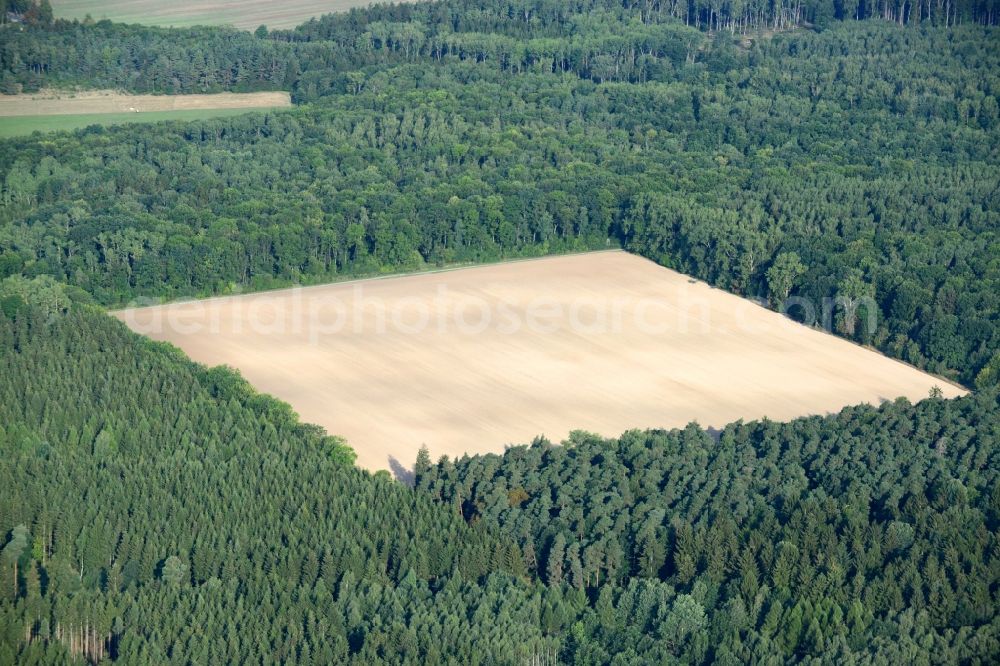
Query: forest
{"x": 156, "y": 511}
{"x": 808, "y": 538}
{"x": 164, "y": 512}
{"x": 811, "y": 165}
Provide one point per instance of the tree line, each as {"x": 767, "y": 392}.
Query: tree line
{"x": 811, "y": 165}
{"x": 156, "y": 511}
{"x": 598, "y": 39}
{"x": 538, "y": 18}
{"x": 869, "y": 535}
{"x": 135, "y": 480}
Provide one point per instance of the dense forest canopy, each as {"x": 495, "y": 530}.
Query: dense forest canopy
{"x": 160, "y": 512}
{"x": 805, "y": 538}
{"x": 146, "y": 482}
{"x": 155, "y": 511}
{"x": 809, "y": 165}
{"x": 594, "y": 38}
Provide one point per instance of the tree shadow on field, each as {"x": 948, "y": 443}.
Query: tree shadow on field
{"x": 403, "y": 474}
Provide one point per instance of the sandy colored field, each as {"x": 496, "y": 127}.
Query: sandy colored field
{"x": 246, "y": 14}
{"x": 25, "y": 125}
{"x": 107, "y": 101}
{"x": 602, "y": 342}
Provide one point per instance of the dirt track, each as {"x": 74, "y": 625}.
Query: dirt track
{"x": 106, "y": 101}
{"x": 601, "y": 342}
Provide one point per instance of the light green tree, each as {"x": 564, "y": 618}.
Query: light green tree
{"x": 174, "y": 571}
{"x": 15, "y": 548}
{"x": 781, "y": 276}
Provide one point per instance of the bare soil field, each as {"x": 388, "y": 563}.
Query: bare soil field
{"x": 246, "y": 14}
{"x": 107, "y": 101}
{"x": 470, "y": 360}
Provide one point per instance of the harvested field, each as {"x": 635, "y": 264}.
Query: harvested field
{"x": 47, "y": 111}
{"x": 247, "y": 14}
{"x": 25, "y": 125}
{"x": 469, "y": 360}
{"x": 107, "y": 101}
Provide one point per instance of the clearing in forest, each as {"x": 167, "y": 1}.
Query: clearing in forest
{"x": 246, "y": 14}
{"x": 473, "y": 359}
{"x": 50, "y": 102}
{"x": 54, "y": 110}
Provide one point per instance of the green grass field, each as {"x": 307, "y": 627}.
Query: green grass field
{"x": 24, "y": 125}
{"x": 247, "y": 14}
